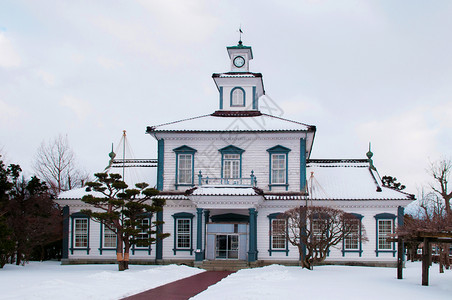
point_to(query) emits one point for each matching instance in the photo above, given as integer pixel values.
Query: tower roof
(240, 47)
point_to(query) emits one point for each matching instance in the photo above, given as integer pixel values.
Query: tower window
(238, 97)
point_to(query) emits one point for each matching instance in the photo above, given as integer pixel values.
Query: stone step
(224, 265)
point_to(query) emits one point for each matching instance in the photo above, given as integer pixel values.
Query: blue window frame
(384, 227)
(231, 162)
(237, 97)
(185, 160)
(319, 226)
(80, 232)
(277, 241)
(108, 239)
(183, 232)
(278, 166)
(145, 226)
(353, 243)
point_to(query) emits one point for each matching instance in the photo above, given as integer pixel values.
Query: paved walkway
(182, 289)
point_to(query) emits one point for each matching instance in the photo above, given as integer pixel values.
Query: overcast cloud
(361, 71)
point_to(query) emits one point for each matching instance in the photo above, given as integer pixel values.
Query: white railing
(206, 180)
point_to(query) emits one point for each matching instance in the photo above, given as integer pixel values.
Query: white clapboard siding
(168, 227)
(255, 158)
(94, 243)
(365, 208)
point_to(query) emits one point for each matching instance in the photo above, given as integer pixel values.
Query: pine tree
(122, 210)
(391, 182)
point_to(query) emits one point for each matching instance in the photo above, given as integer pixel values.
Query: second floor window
(278, 168)
(231, 162)
(231, 166)
(185, 169)
(184, 165)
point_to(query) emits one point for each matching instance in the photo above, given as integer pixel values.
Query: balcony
(250, 181)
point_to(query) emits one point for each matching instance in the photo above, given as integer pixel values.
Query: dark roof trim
(335, 161)
(237, 113)
(240, 74)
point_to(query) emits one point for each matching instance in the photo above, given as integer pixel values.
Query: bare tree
(431, 218)
(441, 172)
(315, 229)
(55, 163)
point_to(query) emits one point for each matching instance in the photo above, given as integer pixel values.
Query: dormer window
(238, 97)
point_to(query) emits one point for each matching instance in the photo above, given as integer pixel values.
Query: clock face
(239, 61)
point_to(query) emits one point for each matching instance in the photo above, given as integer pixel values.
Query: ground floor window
(277, 236)
(109, 238)
(142, 239)
(144, 233)
(384, 232)
(352, 243)
(81, 233)
(319, 229)
(183, 232)
(385, 227)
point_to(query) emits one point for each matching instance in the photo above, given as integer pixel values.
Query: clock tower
(239, 89)
(240, 56)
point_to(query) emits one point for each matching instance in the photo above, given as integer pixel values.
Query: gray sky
(361, 71)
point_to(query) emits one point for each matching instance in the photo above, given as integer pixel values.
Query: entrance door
(227, 246)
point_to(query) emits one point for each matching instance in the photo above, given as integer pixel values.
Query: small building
(227, 175)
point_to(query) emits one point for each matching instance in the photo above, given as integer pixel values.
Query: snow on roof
(77, 194)
(347, 179)
(224, 191)
(212, 122)
(133, 173)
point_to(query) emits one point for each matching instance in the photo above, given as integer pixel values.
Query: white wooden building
(227, 175)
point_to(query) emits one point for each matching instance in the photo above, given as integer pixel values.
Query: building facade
(226, 176)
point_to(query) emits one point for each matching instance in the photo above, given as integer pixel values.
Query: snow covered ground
(330, 282)
(50, 280)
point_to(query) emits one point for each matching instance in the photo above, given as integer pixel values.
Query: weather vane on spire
(240, 33)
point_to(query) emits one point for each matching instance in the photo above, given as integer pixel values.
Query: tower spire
(240, 34)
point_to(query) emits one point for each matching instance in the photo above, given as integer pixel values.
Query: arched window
(237, 97)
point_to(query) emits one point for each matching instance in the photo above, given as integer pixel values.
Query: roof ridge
(152, 128)
(288, 120)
